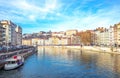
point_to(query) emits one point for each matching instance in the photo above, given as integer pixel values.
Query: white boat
(14, 62)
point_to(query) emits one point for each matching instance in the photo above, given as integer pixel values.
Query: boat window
(11, 62)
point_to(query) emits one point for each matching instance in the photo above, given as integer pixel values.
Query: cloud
(50, 4)
(32, 17)
(60, 14)
(28, 9)
(102, 18)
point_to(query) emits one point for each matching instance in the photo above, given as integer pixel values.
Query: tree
(86, 37)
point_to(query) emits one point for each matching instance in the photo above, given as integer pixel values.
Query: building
(27, 41)
(97, 35)
(58, 34)
(65, 41)
(2, 35)
(46, 42)
(75, 40)
(118, 35)
(27, 36)
(41, 41)
(54, 40)
(35, 41)
(104, 38)
(18, 35)
(11, 36)
(71, 32)
(111, 36)
(115, 35)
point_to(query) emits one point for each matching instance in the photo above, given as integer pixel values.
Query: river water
(55, 62)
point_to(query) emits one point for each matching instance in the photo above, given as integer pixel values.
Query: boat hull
(14, 62)
(11, 67)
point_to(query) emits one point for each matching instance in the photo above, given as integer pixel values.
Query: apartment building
(97, 37)
(115, 34)
(18, 30)
(2, 35)
(118, 34)
(104, 38)
(12, 37)
(111, 36)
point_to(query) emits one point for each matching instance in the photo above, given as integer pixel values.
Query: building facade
(58, 34)
(111, 36)
(97, 37)
(2, 35)
(71, 32)
(65, 41)
(118, 35)
(115, 34)
(104, 38)
(27, 41)
(11, 36)
(35, 41)
(18, 30)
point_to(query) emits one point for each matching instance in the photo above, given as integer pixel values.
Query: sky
(60, 15)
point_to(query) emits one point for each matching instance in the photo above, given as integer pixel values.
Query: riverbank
(96, 49)
(91, 48)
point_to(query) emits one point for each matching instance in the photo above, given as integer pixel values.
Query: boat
(14, 62)
(2, 63)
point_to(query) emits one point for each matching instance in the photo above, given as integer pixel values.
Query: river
(55, 62)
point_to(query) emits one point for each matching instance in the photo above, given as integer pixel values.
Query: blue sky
(60, 15)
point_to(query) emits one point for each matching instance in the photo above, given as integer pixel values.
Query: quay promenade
(23, 52)
(96, 49)
(91, 48)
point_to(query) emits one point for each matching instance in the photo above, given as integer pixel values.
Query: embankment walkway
(97, 49)
(91, 48)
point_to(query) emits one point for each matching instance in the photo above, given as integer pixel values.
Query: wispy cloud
(58, 15)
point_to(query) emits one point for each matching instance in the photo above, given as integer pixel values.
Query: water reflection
(103, 64)
(60, 62)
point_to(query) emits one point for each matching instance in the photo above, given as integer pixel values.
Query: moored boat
(14, 62)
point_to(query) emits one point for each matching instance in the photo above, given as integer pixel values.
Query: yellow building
(35, 41)
(71, 32)
(65, 41)
(27, 42)
(54, 40)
